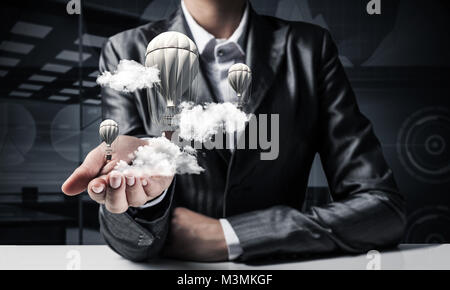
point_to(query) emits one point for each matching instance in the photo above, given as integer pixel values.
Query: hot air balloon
(109, 130)
(240, 78)
(176, 56)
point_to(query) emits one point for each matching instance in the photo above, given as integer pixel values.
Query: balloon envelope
(109, 130)
(176, 56)
(239, 78)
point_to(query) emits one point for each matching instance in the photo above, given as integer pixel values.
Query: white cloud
(200, 123)
(161, 158)
(129, 77)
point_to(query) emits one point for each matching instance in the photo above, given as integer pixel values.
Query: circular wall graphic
(430, 225)
(424, 145)
(66, 135)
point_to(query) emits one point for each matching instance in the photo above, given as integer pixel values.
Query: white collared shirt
(218, 55)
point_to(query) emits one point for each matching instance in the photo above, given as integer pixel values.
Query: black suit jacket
(296, 74)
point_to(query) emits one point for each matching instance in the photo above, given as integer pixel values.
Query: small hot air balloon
(176, 56)
(109, 130)
(240, 78)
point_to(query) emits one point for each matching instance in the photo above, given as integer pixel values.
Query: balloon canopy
(240, 79)
(109, 130)
(176, 56)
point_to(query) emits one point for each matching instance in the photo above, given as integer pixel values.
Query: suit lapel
(266, 44)
(265, 50)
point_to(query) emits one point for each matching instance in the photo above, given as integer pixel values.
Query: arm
(139, 233)
(368, 210)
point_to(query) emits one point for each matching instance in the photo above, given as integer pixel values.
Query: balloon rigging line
(159, 48)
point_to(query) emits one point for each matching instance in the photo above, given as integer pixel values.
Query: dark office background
(398, 63)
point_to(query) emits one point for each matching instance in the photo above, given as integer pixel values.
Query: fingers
(87, 171)
(156, 185)
(116, 198)
(118, 191)
(148, 188)
(108, 167)
(136, 195)
(123, 191)
(97, 189)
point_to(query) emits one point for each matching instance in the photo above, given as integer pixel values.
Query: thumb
(80, 178)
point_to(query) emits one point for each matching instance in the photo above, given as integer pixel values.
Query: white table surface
(102, 257)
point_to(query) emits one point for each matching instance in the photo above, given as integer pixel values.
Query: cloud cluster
(161, 158)
(196, 123)
(200, 123)
(129, 77)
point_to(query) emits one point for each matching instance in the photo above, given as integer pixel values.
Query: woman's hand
(112, 188)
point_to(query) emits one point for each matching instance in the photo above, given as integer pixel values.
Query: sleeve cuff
(154, 201)
(232, 240)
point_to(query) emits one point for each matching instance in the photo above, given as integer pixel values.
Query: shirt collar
(202, 37)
